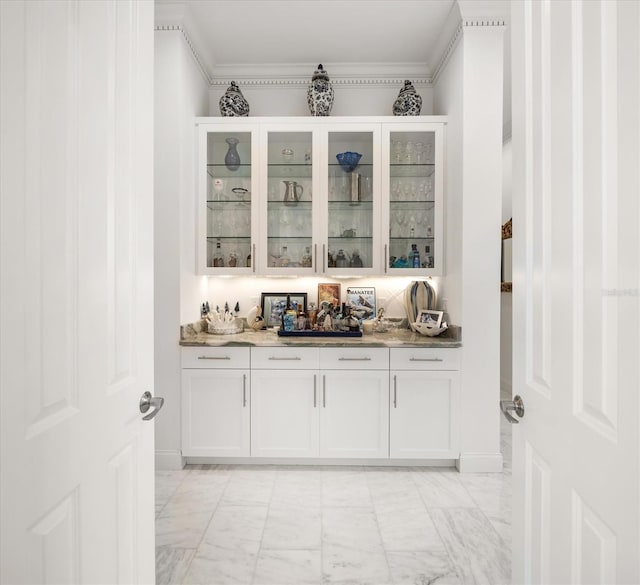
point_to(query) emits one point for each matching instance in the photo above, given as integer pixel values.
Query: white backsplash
(247, 290)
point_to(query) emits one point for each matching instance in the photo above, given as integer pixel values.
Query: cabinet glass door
(414, 205)
(229, 244)
(289, 220)
(351, 213)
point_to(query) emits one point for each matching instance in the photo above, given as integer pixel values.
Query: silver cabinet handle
(395, 392)
(253, 258)
(315, 257)
(210, 357)
(244, 390)
(147, 402)
(516, 405)
(386, 259)
(359, 359)
(324, 391)
(413, 359)
(315, 403)
(285, 359)
(324, 258)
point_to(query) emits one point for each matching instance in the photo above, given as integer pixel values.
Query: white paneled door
(576, 451)
(77, 492)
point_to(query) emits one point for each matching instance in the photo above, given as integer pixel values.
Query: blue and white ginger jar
(408, 102)
(320, 93)
(233, 103)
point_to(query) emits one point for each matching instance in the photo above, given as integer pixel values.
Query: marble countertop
(195, 335)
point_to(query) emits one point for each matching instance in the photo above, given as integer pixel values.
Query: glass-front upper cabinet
(413, 213)
(351, 236)
(228, 210)
(288, 240)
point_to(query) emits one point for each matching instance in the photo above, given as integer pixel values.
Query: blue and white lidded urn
(233, 103)
(408, 102)
(320, 93)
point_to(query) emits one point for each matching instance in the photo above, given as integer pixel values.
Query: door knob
(516, 405)
(147, 401)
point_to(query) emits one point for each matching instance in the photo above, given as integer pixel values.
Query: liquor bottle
(356, 261)
(341, 260)
(414, 256)
(233, 259)
(249, 260)
(284, 259)
(218, 258)
(306, 258)
(428, 257)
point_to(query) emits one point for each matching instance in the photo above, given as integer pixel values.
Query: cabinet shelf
(220, 171)
(400, 171)
(229, 239)
(279, 204)
(356, 239)
(289, 171)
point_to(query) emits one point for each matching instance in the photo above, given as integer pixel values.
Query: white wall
(470, 92)
(181, 92)
(349, 100)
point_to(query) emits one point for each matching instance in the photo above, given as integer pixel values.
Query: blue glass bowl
(348, 160)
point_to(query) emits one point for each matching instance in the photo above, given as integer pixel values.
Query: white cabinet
(354, 413)
(284, 406)
(215, 402)
(424, 404)
(287, 205)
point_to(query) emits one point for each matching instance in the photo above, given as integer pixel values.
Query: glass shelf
(289, 170)
(401, 171)
(220, 171)
(229, 239)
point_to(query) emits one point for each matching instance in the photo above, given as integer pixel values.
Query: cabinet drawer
(418, 358)
(216, 357)
(354, 358)
(285, 358)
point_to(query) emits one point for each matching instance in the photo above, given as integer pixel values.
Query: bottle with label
(306, 258)
(356, 261)
(341, 260)
(218, 258)
(428, 258)
(284, 259)
(414, 256)
(233, 259)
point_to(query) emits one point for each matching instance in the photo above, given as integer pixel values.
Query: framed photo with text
(362, 300)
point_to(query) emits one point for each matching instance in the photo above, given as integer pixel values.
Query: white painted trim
(169, 460)
(190, 45)
(480, 463)
(315, 461)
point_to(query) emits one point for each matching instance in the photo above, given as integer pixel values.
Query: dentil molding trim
(342, 74)
(455, 39)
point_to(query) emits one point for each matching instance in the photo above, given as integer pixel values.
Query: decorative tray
(319, 333)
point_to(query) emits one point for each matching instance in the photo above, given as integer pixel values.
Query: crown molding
(341, 74)
(454, 38)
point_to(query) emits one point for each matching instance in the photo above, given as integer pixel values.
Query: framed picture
(362, 301)
(329, 292)
(274, 304)
(431, 318)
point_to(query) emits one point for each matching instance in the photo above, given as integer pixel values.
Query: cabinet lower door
(424, 415)
(215, 413)
(354, 414)
(284, 413)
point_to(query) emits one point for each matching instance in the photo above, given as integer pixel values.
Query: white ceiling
(329, 31)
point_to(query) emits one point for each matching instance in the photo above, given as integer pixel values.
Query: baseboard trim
(169, 461)
(320, 461)
(480, 463)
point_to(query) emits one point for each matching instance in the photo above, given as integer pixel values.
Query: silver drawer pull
(285, 359)
(425, 360)
(207, 357)
(362, 359)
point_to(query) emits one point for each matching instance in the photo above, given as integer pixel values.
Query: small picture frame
(362, 300)
(431, 318)
(329, 292)
(274, 304)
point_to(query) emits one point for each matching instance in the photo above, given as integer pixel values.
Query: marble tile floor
(279, 525)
